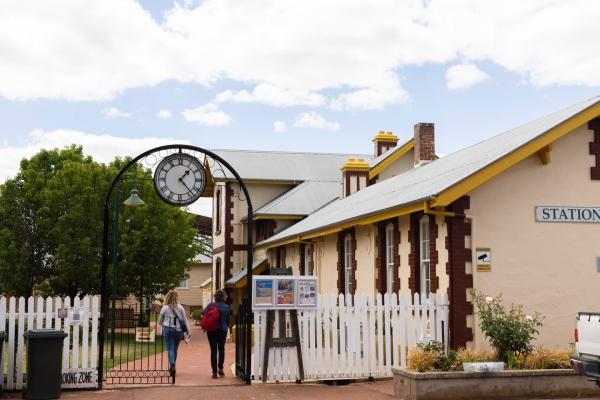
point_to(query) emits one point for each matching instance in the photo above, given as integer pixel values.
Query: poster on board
(285, 292)
(307, 292)
(263, 292)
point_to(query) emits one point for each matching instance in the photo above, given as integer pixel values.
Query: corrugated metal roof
(375, 161)
(285, 166)
(430, 179)
(242, 274)
(303, 199)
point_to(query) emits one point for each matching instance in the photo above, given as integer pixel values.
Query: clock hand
(185, 184)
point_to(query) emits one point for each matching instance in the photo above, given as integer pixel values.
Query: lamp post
(134, 200)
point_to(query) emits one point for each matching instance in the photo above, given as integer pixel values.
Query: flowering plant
(509, 330)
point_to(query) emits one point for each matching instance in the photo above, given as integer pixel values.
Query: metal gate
(243, 346)
(134, 350)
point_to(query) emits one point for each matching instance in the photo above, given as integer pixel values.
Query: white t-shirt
(167, 317)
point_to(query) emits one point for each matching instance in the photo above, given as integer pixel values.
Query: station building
(517, 214)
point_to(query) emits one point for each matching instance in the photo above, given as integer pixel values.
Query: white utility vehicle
(587, 344)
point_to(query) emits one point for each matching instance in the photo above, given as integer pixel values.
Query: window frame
(218, 217)
(309, 265)
(348, 264)
(389, 258)
(186, 280)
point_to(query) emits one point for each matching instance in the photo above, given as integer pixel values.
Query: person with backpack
(174, 324)
(215, 321)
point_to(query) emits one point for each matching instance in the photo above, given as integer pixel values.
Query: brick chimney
(424, 143)
(355, 175)
(384, 141)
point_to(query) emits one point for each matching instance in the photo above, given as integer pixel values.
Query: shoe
(221, 372)
(172, 370)
(214, 375)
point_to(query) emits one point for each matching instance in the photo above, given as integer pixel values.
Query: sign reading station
(567, 214)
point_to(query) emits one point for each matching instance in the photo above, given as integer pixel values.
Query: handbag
(183, 327)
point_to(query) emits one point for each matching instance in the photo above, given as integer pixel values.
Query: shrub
(542, 358)
(430, 356)
(508, 329)
(197, 314)
(421, 361)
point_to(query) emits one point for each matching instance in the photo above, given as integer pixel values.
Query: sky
(122, 76)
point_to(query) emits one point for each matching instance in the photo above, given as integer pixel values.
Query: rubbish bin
(44, 363)
(2, 339)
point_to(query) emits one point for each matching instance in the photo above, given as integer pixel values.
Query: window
(218, 212)
(389, 257)
(183, 283)
(424, 254)
(308, 260)
(348, 259)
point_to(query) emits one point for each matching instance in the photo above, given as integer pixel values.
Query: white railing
(76, 317)
(353, 337)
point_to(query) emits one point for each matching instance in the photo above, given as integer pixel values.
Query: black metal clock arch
(244, 362)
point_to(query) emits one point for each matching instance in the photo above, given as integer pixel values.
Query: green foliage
(443, 361)
(508, 329)
(51, 229)
(197, 314)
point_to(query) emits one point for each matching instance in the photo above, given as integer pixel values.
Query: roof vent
(384, 141)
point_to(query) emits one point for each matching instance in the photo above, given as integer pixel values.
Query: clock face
(179, 179)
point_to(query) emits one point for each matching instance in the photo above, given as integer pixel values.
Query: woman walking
(216, 338)
(174, 324)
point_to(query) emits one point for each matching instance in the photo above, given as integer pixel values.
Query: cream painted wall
(218, 238)
(365, 259)
(292, 257)
(547, 267)
(404, 227)
(193, 294)
(440, 245)
(326, 263)
(403, 164)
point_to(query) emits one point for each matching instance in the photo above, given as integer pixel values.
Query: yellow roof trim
(545, 140)
(392, 158)
(384, 136)
(362, 221)
(259, 269)
(355, 164)
(282, 216)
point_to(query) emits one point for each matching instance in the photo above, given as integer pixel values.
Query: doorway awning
(239, 280)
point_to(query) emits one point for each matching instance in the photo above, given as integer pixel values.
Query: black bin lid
(44, 334)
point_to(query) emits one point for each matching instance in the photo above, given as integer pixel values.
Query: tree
(157, 243)
(51, 229)
(26, 258)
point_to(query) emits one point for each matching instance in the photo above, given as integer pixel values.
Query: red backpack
(210, 319)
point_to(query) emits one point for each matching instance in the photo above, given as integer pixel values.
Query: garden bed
(512, 384)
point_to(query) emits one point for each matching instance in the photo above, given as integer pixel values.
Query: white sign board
(567, 214)
(483, 259)
(284, 292)
(79, 378)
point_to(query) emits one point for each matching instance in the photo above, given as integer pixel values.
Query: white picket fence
(353, 337)
(38, 313)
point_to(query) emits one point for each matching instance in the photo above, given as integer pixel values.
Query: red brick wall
(458, 255)
(424, 142)
(595, 148)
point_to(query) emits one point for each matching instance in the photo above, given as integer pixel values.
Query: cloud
(164, 114)
(208, 115)
(273, 96)
(345, 53)
(103, 148)
(279, 126)
(113, 112)
(462, 76)
(315, 120)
